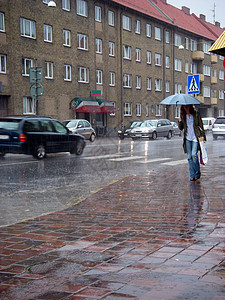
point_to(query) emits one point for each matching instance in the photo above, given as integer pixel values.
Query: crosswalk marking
(126, 158)
(154, 160)
(174, 163)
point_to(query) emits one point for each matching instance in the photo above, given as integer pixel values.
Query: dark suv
(37, 136)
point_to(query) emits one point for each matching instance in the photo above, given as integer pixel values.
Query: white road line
(174, 163)
(20, 163)
(154, 160)
(101, 156)
(126, 158)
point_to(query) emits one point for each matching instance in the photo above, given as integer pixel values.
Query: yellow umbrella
(219, 46)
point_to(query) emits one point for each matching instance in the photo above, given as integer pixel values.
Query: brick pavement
(155, 236)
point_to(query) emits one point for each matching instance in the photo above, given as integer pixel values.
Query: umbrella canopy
(180, 99)
(219, 46)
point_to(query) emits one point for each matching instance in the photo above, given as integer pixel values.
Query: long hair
(183, 112)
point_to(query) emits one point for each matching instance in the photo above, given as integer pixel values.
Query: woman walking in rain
(191, 122)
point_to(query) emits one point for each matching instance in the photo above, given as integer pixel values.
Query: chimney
(217, 24)
(186, 10)
(202, 17)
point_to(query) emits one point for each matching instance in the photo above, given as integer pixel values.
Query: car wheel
(39, 152)
(79, 147)
(2, 154)
(92, 137)
(121, 137)
(154, 135)
(169, 135)
(215, 137)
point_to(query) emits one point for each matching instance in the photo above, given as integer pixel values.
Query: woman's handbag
(203, 151)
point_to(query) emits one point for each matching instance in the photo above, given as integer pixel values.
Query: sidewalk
(155, 236)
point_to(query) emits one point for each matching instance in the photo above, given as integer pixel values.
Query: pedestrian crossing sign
(193, 84)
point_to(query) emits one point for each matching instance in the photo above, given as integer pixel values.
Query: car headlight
(119, 131)
(132, 131)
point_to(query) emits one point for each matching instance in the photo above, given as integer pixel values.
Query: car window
(220, 121)
(32, 126)
(80, 124)
(59, 127)
(87, 124)
(9, 124)
(70, 124)
(46, 126)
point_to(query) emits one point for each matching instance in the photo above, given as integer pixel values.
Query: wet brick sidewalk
(155, 236)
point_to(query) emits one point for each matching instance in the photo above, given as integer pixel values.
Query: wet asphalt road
(31, 188)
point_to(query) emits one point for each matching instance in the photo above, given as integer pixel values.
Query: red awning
(106, 106)
(88, 107)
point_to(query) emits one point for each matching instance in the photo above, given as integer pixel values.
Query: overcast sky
(204, 7)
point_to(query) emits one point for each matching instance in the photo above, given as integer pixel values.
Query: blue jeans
(193, 162)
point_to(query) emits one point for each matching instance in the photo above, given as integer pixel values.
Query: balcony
(213, 59)
(198, 55)
(214, 101)
(213, 80)
(200, 98)
(201, 77)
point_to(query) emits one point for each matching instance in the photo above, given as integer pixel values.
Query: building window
(98, 44)
(158, 109)
(27, 64)
(206, 70)
(178, 65)
(82, 8)
(83, 75)
(167, 62)
(206, 47)
(138, 82)
(221, 94)
(167, 37)
(206, 91)
(82, 41)
(98, 14)
(126, 52)
(49, 70)
(111, 49)
(112, 78)
(127, 80)
(177, 112)
(221, 75)
(138, 54)
(47, 33)
(158, 33)
(114, 105)
(177, 40)
(127, 109)
(149, 84)
(148, 30)
(215, 73)
(138, 109)
(2, 22)
(98, 76)
(111, 18)
(158, 59)
(2, 63)
(167, 86)
(27, 28)
(138, 27)
(66, 38)
(186, 67)
(66, 5)
(187, 43)
(126, 23)
(149, 57)
(158, 85)
(28, 105)
(193, 45)
(67, 73)
(146, 110)
(194, 68)
(178, 88)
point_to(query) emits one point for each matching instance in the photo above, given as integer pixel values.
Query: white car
(219, 128)
(208, 123)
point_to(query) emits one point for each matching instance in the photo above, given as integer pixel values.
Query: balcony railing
(198, 55)
(213, 80)
(213, 59)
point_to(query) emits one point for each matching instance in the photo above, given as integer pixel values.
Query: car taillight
(23, 137)
(213, 126)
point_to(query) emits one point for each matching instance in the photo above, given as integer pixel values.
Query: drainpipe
(121, 67)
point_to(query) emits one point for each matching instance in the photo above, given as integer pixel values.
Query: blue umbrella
(180, 99)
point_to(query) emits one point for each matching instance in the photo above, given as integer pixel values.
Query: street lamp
(51, 4)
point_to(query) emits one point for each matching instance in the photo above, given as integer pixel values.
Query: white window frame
(111, 18)
(127, 80)
(111, 48)
(29, 107)
(68, 72)
(82, 41)
(146, 109)
(178, 88)
(158, 110)
(158, 34)
(167, 62)
(158, 59)
(2, 63)
(66, 38)
(206, 47)
(82, 8)
(112, 78)
(127, 109)
(83, 75)
(98, 45)
(177, 40)
(149, 57)
(148, 30)
(149, 83)
(48, 33)
(138, 54)
(27, 28)
(206, 91)
(221, 75)
(27, 64)
(99, 76)
(49, 70)
(127, 52)
(126, 23)
(206, 70)
(138, 82)
(167, 37)
(167, 86)
(178, 65)
(138, 109)
(177, 112)
(186, 67)
(193, 68)
(2, 22)
(193, 45)
(98, 13)
(186, 43)
(114, 105)
(66, 5)
(158, 85)
(138, 27)
(221, 94)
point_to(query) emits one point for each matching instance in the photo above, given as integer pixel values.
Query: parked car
(208, 123)
(125, 132)
(218, 128)
(152, 129)
(82, 127)
(37, 136)
(176, 129)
